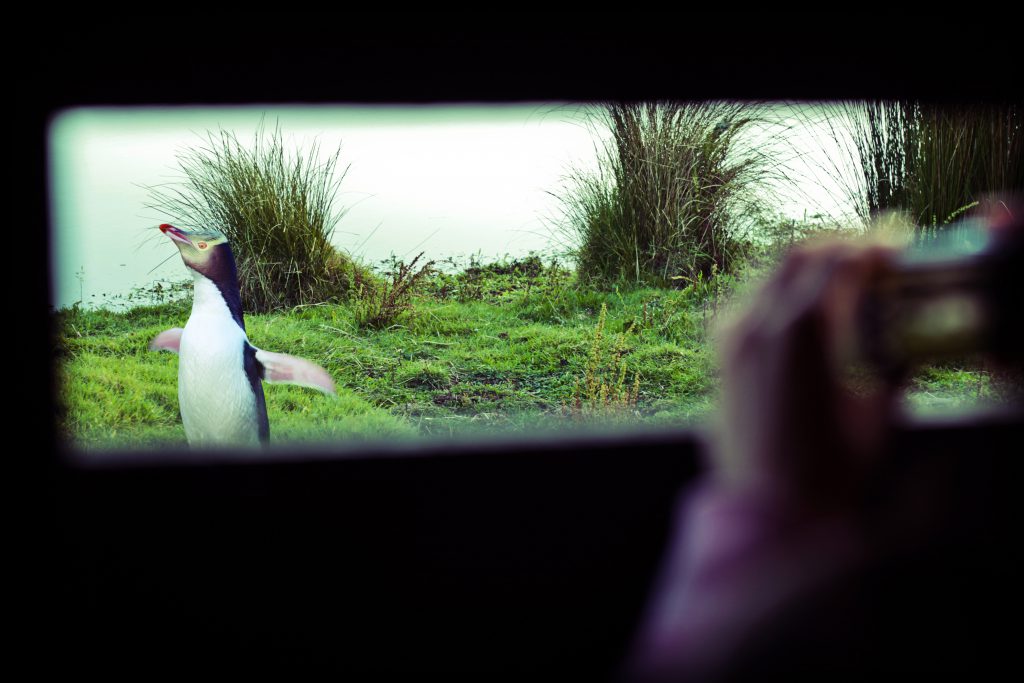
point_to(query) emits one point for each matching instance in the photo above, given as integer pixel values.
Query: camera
(950, 296)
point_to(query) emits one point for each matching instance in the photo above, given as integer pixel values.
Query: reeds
(932, 162)
(277, 210)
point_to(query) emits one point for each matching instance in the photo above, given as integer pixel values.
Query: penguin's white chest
(217, 403)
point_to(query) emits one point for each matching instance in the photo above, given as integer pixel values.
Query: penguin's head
(196, 246)
(208, 255)
(204, 251)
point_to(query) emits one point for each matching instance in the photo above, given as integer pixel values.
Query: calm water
(447, 180)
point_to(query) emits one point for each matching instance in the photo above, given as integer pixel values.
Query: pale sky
(448, 180)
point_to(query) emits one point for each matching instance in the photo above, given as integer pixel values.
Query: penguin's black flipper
(280, 368)
(254, 371)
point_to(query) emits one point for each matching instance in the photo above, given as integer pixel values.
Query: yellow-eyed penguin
(219, 372)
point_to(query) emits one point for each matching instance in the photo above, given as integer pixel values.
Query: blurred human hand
(773, 519)
(781, 519)
(790, 426)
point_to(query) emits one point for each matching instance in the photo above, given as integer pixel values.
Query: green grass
(951, 387)
(512, 358)
(505, 361)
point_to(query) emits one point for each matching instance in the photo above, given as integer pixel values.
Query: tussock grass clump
(672, 186)
(931, 161)
(276, 208)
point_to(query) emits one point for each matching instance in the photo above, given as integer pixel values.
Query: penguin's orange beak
(175, 234)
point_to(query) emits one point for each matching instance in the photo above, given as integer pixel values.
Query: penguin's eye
(201, 245)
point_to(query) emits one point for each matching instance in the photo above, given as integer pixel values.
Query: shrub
(276, 208)
(605, 390)
(381, 306)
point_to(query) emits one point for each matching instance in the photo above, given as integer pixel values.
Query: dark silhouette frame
(505, 557)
